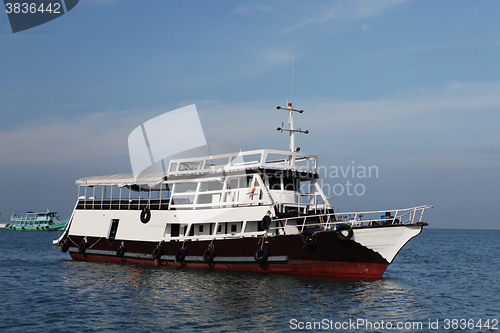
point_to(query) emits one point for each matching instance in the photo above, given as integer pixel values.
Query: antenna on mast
(290, 117)
(293, 72)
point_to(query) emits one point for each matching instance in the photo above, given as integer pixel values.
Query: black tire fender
(83, 246)
(341, 228)
(180, 255)
(209, 255)
(308, 237)
(145, 215)
(157, 252)
(65, 246)
(120, 253)
(265, 223)
(261, 254)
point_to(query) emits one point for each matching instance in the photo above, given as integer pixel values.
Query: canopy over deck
(123, 179)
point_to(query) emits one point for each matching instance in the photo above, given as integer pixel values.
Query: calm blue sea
(439, 276)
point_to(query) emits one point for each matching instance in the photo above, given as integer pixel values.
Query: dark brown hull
(329, 256)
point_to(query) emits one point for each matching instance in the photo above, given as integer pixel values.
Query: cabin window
(288, 183)
(200, 228)
(211, 186)
(174, 230)
(232, 183)
(183, 199)
(205, 198)
(239, 182)
(185, 187)
(219, 229)
(233, 228)
(274, 182)
(112, 230)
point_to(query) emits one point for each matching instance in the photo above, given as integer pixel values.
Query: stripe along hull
(328, 256)
(53, 227)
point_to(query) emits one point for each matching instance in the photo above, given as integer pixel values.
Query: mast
(291, 129)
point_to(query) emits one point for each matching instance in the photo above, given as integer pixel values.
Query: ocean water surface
(441, 281)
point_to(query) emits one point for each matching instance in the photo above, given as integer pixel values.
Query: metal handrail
(353, 218)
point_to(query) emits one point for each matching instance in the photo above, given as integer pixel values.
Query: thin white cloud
(340, 11)
(360, 9)
(253, 8)
(319, 16)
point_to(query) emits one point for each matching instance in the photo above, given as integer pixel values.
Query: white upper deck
(238, 161)
(254, 159)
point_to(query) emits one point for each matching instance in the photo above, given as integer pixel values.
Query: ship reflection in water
(193, 299)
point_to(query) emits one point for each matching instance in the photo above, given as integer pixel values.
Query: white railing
(354, 219)
(263, 158)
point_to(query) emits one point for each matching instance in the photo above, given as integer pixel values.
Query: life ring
(83, 246)
(180, 255)
(145, 215)
(65, 246)
(341, 228)
(158, 252)
(261, 254)
(308, 237)
(121, 251)
(209, 255)
(265, 223)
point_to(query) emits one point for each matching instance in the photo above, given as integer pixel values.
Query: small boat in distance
(31, 221)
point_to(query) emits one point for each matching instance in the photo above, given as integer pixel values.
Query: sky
(409, 87)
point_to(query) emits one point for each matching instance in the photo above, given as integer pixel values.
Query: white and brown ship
(258, 211)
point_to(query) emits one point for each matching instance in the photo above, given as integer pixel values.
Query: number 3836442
(32, 8)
